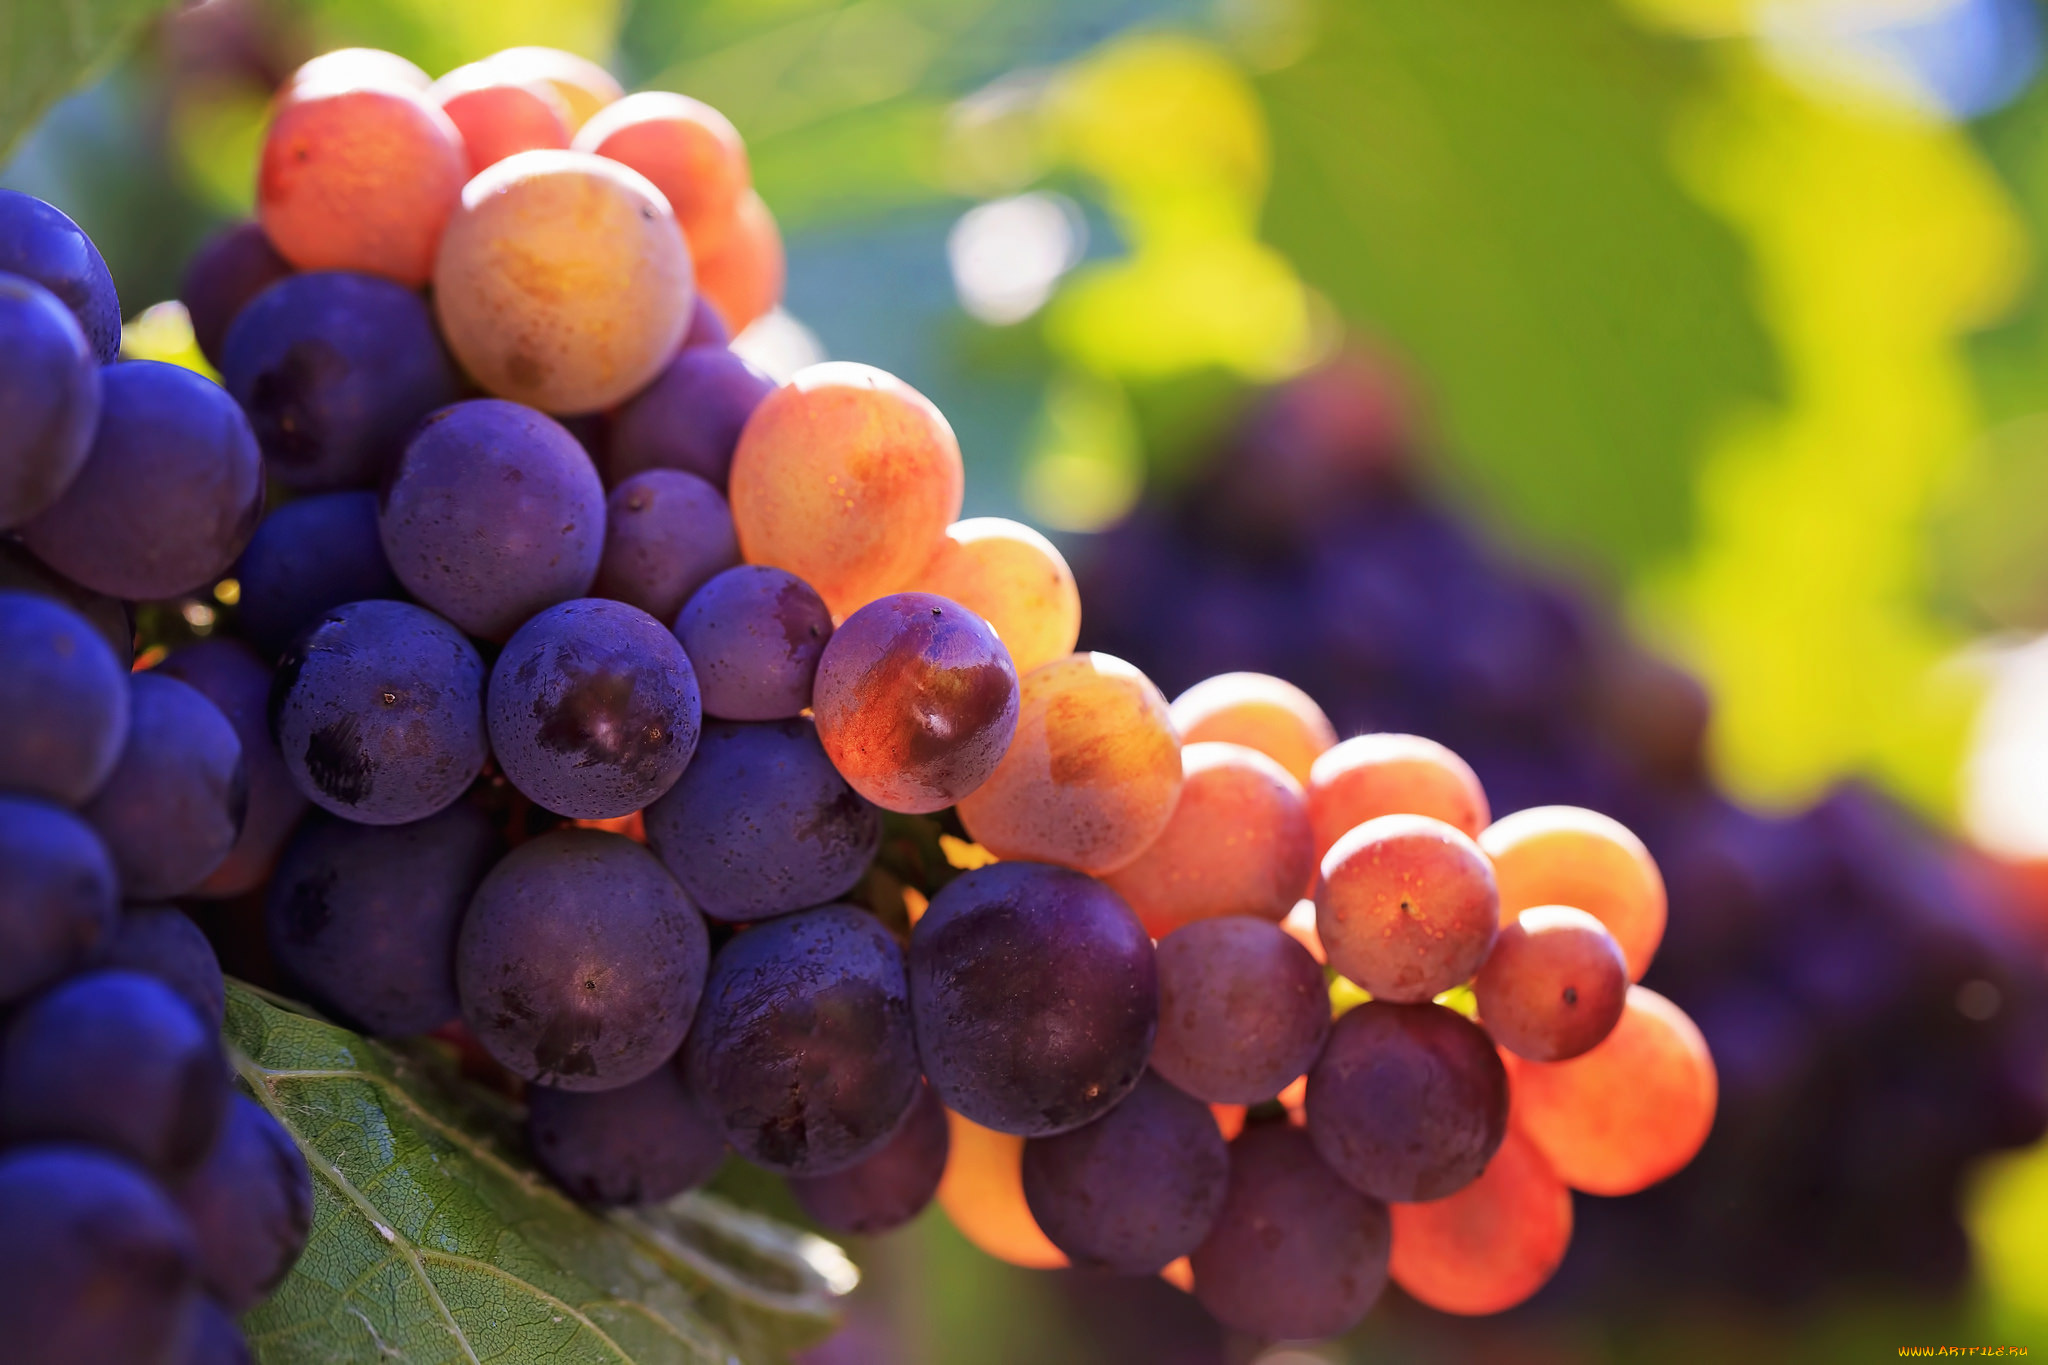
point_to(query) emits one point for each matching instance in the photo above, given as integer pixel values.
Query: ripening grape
(335, 369)
(1406, 907)
(250, 1205)
(1563, 855)
(803, 1048)
(583, 85)
(232, 267)
(163, 942)
(351, 66)
(1013, 578)
(1237, 844)
(1492, 1244)
(495, 513)
(169, 495)
(666, 533)
(847, 477)
(1407, 1102)
(63, 701)
(172, 809)
(755, 634)
(1294, 1252)
(580, 961)
(982, 1193)
(378, 710)
(498, 116)
(1134, 1189)
(1243, 1010)
(50, 403)
(1092, 776)
(60, 901)
(307, 558)
(1630, 1112)
(888, 1189)
(916, 701)
(1277, 718)
(638, 1144)
(1368, 776)
(110, 617)
(691, 415)
(562, 281)
(687, 149)
(1036, 997)
(744, 274)
(1554, 985)
(38, 242)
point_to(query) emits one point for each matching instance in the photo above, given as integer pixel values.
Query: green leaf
(50, 47)
(435, 1242)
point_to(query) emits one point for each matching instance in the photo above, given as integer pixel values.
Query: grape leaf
(436, 1243)
(49, 47)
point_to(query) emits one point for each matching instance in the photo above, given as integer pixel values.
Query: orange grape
(1092, 775)
(1630, 1112)
(562, 282)
(1277, 718)
(497, 117)
(846, 477)
(982, 1191)
(1492, 1244)
(1554, 985)
(690, 152)
(1562, 855)
(744, 274)
(1406, 907)
(1236, 844)
(583, 85)
(1373, 775)
(1300, 925)
(1014, 579)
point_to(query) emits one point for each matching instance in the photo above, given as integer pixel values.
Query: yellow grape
(982, 1191)
(584, 86)
(1368, 776)
(1563, 855)
(1273, 716)
(1013, 578)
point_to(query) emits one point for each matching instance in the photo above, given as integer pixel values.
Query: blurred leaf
(50, 47)
(2007, 1208)
(441, 34)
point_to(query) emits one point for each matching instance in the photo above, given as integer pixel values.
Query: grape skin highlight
(498, 117)
(1554, 986)
(39, 242)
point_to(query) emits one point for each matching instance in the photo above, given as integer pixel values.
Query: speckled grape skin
(638, 1144)
(889, 1188)
(1406, 907)
(236, 681)
(1554, 986)
(63, 701)
(762, 824)
(307, 557)
(581, 961)
(495, 513)
(172, 809)
(755, 634)
(379, 712)
(1407, 1102)
(38, 242)
(1243, 1010)
(1036, 997)
(916, 701)
(334, 369)
(666, 533)
(163, 942)
(50, 402)
(593, 709)
(60, 900)
(690, 417)
(803, 1048)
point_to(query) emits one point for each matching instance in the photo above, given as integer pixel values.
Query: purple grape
(495, 513)
(580, 962)
(118, 1060)
(63, 701)
(163, 942)
(593, 709)
(755, 634)
(1134, 1190)
(216, 1340)
(40, 243)
(803, 1048)
(251, 1207)
(762, 824)
(690, 417)
(1295, 1253)
(1035, 996)
(707, 325)
(169, 495)
(378, 710)
(172, 809)
(1407, 1102)
(639, 1144)
(1243, 1010)
(362, 918)
(666, 533)
(59, 898)
(114, 619)
(306, 558)
(231, 268)
(889, 1188)
(49, 400)
(228, 675)
(97, 1267)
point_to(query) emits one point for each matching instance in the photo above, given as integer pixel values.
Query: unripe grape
(499, 117)
(1275, 717)
(690, 152)
(581, 84)
(1013, 578)
(1563, 855)
(1368, 776)
(744, 274)
(1406, 907)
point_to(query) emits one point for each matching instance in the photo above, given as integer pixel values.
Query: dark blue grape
(755, 634)
(169, 494)
(689, 418)
(234, 266)
(228, 675)
(378, 710)
(114, 619)
(335, 369)
(172, 809)
(1243, 1010)
(891, 1187)
(639, 1144)
(495, 513)
(49, 399)
(362, 918)
(59, 897)
(306, 558)
(666, 532)
(97, 1267)
(1134, 1190)
(63, 701)
(216, 1340)
(41, 243)
(250, 1205)
(118, 1060)
(593, 709)
(163, 942)
(1036, 997)
(803, 1047)
(581, 961)
(762, 824)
